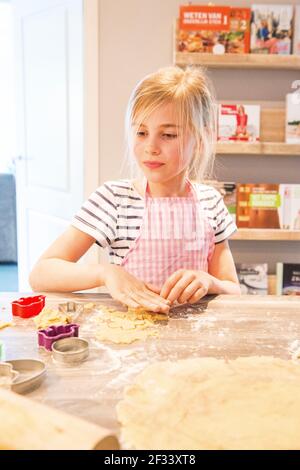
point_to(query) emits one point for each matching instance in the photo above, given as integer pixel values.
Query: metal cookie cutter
(27, 307)
(53, 333)
(7, 375)
(70, 350)
(31, 374)
(72, 308)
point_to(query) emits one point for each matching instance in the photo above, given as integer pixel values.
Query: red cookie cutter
(53, 333)
(27, 307)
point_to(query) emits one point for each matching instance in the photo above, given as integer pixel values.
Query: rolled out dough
(126, 327)
(206, 403)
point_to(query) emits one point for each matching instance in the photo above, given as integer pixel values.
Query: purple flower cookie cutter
(53, 333)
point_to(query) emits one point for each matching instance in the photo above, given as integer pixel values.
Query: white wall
(7, 98)
(136, 38)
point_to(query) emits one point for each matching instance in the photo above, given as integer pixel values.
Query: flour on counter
(294, 349)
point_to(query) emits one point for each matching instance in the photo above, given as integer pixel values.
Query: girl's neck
(177, 187)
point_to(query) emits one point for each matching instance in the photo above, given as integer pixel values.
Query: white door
(50, 163)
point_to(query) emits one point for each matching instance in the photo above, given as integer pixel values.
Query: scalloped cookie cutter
(53, 333)
(27, 307)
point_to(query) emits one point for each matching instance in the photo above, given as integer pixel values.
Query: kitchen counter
(218, 326)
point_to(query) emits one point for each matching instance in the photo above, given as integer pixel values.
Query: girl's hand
(132, 292)
(186, 286)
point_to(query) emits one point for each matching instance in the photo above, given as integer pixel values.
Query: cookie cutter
(7, 375)
(27, 307)
(70, 350)
(31, 374)
(70, 307)
(53, 333)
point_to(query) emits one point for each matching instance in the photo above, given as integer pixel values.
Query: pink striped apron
(175, 234)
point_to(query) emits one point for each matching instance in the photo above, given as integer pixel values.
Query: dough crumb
(5, 325)
(50, 316)
(87, 308)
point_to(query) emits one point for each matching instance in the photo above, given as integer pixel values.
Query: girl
(167, 236)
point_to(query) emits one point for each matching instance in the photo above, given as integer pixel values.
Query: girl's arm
(222, 271)
(57, 270)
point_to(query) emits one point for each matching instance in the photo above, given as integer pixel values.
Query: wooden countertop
(221, 326)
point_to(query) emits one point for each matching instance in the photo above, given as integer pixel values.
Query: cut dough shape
(88, 307)
(122, 323)
(135, 314)
(50, 316)
(122, 336)
(126, 327)
(5, 325)
(206, 403)
(141, 313)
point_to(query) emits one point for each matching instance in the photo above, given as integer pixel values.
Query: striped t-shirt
(113, 215)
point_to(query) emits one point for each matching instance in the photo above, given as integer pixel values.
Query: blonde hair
(195, 105)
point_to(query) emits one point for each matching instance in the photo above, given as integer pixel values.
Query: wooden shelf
(261, 148)
(235, 61)
(266, 234)
(272, 135)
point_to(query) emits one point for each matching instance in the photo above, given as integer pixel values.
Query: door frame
(91, 106)
(91, 95)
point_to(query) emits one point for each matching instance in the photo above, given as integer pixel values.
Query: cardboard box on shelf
(292, 128)
(238, 122)
(253, 278)
(296, 38)
(258, 206)
(214, 29)
(288, 279)
(228, 191)
(271, 29)
(265, 205)
(290, 206)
